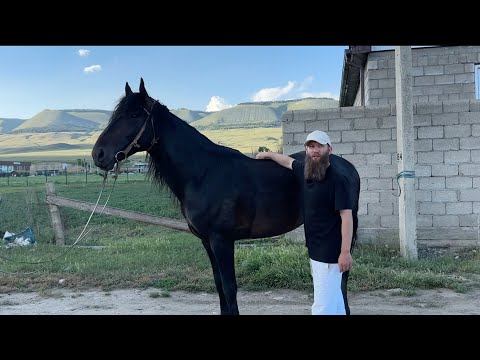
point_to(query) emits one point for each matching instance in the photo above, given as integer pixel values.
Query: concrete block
(462, 207)
(432, 183)
(328, 113)
(377, 111)
(446, 220)
(446, 144)
(352, 112)
(470, 143)
(305, 115)
(426, 208)
(378, 134)
(456, 106)
(461, 156)
(469, 169)
(458, 182)
(366, 123)
(457, 131)
(429, 108)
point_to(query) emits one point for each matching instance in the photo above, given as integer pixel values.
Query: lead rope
(80, 237)
(117, 170)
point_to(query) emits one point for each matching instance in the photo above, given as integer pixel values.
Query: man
(328, 220)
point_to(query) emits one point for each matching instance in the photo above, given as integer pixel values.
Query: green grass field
(120, 253)
(246, 141)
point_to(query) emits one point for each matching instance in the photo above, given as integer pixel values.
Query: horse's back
(250, 198)
(277, 194)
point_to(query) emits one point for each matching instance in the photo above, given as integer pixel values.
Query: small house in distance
(14, 167)
(140, 167)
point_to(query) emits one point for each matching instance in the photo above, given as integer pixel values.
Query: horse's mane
(202, 142)
(154, 175)
(196, 138)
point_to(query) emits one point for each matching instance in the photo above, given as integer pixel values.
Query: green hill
(298, 104)
(56, 121)
(101, 117)
(51, 147)
(312, 103)
(259, 114)
(240, 116)
(190, 115)
(67, 133)
(7, 125)
(244, 115)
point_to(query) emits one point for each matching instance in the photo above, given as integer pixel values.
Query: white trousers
(327, 291)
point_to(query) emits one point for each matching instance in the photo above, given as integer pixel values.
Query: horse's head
(129, 130)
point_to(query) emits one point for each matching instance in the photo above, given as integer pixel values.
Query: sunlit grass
(243, 140)
(247, 141)
(150, 256)
(123, 253)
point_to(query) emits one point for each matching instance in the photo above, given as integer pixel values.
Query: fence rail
(53, 201)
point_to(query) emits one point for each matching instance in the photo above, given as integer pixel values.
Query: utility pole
(407, 224)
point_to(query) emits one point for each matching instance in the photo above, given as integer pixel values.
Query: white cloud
(83, 52)
(306, 83)
(272, 94)
(291, 91)
(92, 69)
(217, 103)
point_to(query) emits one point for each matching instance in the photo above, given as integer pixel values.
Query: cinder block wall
(447, 166)
(438, 74)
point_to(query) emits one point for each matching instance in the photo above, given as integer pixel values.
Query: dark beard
(316, 170)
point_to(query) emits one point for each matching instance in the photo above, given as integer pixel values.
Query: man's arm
(280, 159)
(345, 258)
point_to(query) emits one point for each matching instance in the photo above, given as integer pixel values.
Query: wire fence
(65, 178)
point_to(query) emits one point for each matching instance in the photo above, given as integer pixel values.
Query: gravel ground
(280, 302)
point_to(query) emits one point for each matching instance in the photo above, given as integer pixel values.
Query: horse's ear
(142, 88)
(128, 91)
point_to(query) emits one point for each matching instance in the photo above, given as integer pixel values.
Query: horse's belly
(266, 225)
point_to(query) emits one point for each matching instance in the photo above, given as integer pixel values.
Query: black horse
(223, 194)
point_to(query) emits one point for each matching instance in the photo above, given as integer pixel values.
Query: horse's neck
(178, 154)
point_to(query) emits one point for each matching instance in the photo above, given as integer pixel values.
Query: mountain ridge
(243, 115)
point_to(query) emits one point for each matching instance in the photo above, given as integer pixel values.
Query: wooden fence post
(55, 216)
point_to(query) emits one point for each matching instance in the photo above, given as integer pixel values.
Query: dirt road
(279, 302)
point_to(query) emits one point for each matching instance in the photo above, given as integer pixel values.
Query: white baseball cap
(318, 136)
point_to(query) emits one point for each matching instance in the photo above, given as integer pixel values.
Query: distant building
(55, 168)
(140, 167)
(16, 167)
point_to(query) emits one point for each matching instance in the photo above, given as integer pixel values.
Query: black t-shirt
(322, 202)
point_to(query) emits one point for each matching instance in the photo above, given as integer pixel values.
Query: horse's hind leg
(344, 291)
(345, 273)
(223, 250)
(216, 276)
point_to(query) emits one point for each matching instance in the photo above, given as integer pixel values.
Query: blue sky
(206, 78)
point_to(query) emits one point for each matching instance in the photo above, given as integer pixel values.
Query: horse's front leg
(216, 276)
(223, 249)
